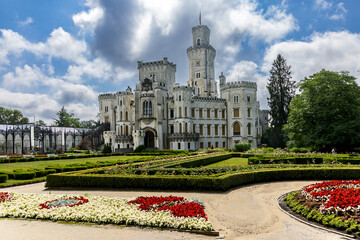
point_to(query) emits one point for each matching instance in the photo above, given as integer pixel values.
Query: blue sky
(65, 53)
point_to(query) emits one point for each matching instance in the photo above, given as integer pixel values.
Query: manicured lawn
(230, 162)
(9, 167)
(14, 182)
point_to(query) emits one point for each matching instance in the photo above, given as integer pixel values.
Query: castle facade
(160, 113)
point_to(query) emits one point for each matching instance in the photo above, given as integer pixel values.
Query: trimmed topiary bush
(107, 148)
(3, 178)
(139, 148)
(242, 147)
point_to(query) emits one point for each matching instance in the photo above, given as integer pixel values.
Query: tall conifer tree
(281, 90)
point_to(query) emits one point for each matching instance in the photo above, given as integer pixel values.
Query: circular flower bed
(64, 202)
(178, 206)
(6, 197)
(334, 197)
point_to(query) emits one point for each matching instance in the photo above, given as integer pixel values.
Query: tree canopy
(281, 90)
(326, 113)
(12, 116)
(66, 119)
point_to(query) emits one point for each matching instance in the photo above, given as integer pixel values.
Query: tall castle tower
(201, 63)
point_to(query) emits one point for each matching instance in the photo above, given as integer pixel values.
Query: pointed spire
(200, 18)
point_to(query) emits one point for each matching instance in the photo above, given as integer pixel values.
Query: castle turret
(201, 62)
(222, 79)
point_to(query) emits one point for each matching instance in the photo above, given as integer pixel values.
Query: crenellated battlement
(163, 62)
(208, 99)
(107, 96)
(238, 84)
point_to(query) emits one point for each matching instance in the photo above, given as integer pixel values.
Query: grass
(230, 162)
(13, 182)
(9, 167)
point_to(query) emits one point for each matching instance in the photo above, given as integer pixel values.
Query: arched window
(144, 107)
(121, 116)
(180, 112)
(249, 128)
(198, 42)
(236, 128)
(186, 127)
(126, 130)
(126, 116)
(150, 108)
(180, 128)
(179, 97)
(121, 130)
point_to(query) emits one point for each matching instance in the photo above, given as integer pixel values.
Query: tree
(281, 90)
(9, 116)
(66, 119)
(90, 123)
(84, 144)
(326, 113)
(40, 123)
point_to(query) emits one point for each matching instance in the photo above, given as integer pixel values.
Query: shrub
(3, 178)
(107, 148)
(242, 147)
(24, 175)
(139, 148)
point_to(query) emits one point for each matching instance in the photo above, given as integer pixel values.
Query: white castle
(162, 114)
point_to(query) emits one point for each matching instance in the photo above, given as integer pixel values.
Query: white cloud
(27, 21)
(335, 51)
(339, 12)
(88, 21)
(322, 4)
(23, 77)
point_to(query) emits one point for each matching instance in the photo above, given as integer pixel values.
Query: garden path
(247, 212)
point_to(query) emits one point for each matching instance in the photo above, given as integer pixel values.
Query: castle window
(197, 75)
(120, 102)
(121, 130)
(193, 112)
(223, 129)
(188, 145)
(106, 108)
(209, 145)
(216, 130)
(248, 98)
(186, 127)
(236, 112)
(171, 129)
(171, 113)
(249, 112)
(179, 146)
(236, 99)
(126, 116)
(201, 145)
(224, 145)
(236, 129)
(216, 113)
(150, 108)
(198, 42)
(209, 129)
(208, 113)
(127, 130)
(249, 128)
(201, 129)
(152, 77)
(185, 111)
(223, 113)
(179, 97)
(121, 116)
(197, 63)
(200, 113)
(180, 115)
(194, 128)
(106, 119)
(144, 107)
(216, 144)
(180, 128)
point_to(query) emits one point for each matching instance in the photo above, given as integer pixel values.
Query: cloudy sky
(64, 53)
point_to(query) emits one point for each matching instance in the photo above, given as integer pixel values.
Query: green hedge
(219, 183)
(3, 178)
(24, 175)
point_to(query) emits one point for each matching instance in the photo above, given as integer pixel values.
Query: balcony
(123, 138)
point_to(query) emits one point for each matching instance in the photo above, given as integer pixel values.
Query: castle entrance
(149, 140)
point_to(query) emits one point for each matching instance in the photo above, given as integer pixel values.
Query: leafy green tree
(12, 116)
(90, 123)
(40, 123)
(281, 90)
(66, 119)
(326, 113)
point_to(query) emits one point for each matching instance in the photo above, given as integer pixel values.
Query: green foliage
(326, 114)
(3, 178)
(12, 116)
(107, 148)
(90, 124)
(66, 119)
(242, 147)
(40, 123)
(139, 149)
(281, 90)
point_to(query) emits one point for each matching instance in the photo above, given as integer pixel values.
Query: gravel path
(248, 212)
